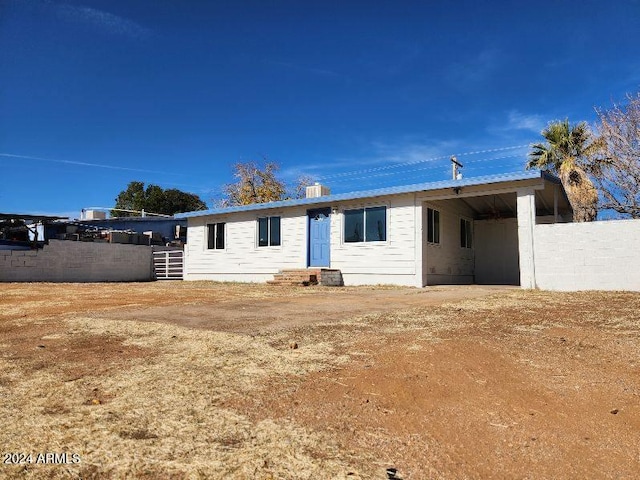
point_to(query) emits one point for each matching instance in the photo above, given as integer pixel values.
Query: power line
(491, 150)
(422, 169)
(86, 164)
(415, 162)
(408, 180)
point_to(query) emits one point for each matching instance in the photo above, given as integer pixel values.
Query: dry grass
(164, 414)
(162, 400)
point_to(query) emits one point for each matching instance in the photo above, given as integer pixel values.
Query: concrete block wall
(601, 255)
(330, 278)
(67, 261)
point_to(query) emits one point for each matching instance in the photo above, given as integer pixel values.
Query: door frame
(310, 214)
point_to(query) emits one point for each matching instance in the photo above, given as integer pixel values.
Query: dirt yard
(186, 380)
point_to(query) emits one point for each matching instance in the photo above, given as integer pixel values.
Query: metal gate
(168, 264)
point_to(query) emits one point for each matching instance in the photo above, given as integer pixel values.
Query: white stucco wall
(67, 261)
(588, 256)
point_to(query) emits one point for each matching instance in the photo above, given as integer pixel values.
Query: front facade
(476, 230)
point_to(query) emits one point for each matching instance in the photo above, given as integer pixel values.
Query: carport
(486, 237)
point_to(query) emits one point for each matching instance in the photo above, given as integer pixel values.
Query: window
(433, 226)
(354, 225)
(215, 236)
(365, 225)
(269, 231)
(465, 233)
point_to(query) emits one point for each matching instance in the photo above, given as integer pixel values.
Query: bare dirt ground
(199, 380)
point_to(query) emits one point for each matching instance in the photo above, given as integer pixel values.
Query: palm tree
(563, 154)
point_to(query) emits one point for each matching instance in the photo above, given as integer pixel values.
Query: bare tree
(260, 184)
(254, 185)
(616, 166)
(300, 189)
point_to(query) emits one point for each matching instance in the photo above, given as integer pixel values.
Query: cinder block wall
(67, 261)
(330, 278)
(601, 255)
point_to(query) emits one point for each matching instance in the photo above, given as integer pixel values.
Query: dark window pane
(465, 233)
(263, 232)
(211, 231)
(220, 236)
(354, 225)
(429, 225)
(274, 234)
(376, 221)
(436, 226)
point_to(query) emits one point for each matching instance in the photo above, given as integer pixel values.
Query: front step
(308, 276)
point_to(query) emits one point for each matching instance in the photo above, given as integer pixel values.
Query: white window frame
(206, 236)
(470, 238)
(257, 236)
(439, 235)
(373, 243)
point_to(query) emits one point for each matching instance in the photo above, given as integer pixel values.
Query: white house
(474, 230)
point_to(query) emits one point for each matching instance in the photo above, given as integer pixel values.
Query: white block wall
(601, 255)
(526, 214)
(67, 261)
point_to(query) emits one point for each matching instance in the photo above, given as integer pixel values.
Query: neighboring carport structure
(21, 230)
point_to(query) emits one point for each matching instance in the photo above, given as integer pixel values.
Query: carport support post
(526, 208)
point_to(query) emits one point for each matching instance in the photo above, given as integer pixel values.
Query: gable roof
(379, 192)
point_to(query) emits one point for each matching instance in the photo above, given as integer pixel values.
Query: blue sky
(358, 94)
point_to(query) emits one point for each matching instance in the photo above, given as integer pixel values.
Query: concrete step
(290, 283)
(307, 276)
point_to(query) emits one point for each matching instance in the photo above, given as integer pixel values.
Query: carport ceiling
(504, 205)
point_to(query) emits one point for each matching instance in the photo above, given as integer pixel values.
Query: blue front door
(319, 237)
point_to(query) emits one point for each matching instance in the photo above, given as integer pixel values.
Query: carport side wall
(448, 262)
(599, 255)
(68, 261)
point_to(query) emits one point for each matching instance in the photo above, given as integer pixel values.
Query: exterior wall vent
(316, 190)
